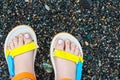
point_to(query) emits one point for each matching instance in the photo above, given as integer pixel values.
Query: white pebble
(28, 0)
(47, 7)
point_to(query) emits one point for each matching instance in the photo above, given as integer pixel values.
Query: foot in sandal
(20, 53)
(23, 62)
(66, 68)
(67, 57)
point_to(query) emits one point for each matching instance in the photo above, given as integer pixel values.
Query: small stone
(89, 57)
(94, 77)
(0, 36)
(93, 45)
(78, 11)
(86, 43)
(89, 36)
(47, 67)
(47, 7)
(28, 0)
(0, 70)
(100, 63)
(77, 1)
(89, 71)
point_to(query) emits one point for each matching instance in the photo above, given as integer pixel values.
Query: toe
(79, 54)
(21, 40)
(8, 47)
(67, 45)
(77, 51)
(27, 38)
(15, 41)
(60, 44)
(73, 46)
(12, 45)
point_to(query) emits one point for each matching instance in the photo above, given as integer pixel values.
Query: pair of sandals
(10, 54)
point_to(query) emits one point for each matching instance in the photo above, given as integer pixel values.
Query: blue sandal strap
(10, 62)
(79, 70)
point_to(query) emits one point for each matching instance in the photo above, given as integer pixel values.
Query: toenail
(8, 47)
(77, 47)
(10, 42)
(14, 38)
(60, 41)
(20, 35)
(27, 36)
(67, 41)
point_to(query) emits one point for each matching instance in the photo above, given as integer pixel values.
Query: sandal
(65, 55)
(10, 54)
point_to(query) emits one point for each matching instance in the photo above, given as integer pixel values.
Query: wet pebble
(47, 67)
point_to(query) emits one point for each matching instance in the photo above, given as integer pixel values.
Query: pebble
(100, 63)
(28, 0)
(0, 70)
(47, 67)
(86, 43)
(0, 36)
(77, 1)
(47, 7)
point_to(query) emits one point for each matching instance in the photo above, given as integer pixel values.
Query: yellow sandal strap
(68, 56)
(22, 49)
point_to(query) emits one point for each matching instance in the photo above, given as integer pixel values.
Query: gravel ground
(96, 27)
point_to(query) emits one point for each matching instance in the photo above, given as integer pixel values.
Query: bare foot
(23, 62)
(66, 68)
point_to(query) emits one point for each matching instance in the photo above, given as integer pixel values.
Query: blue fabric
(10, 61)
(79, 70)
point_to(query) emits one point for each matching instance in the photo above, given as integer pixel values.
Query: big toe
(60, 44)
(27, 38)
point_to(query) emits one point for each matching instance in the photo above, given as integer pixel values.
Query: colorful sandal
(10, 54)
(65, 55)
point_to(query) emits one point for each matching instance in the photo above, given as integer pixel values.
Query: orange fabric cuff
(24, 75)
(66, 79)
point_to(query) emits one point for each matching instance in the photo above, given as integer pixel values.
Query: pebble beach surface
(97, 28)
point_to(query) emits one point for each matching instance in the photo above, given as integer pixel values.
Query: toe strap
(21, 49)
(24, 75)
(68, 56)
